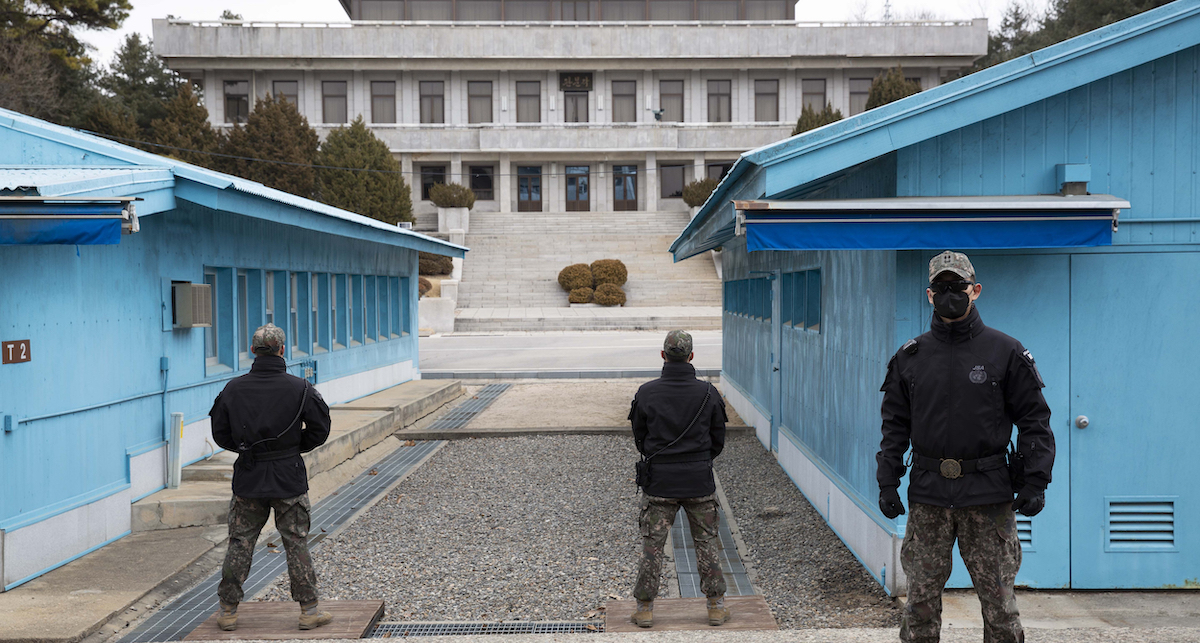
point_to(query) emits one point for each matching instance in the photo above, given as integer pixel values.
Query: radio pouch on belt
(1016, 468)
(246, 456)
(642, 467)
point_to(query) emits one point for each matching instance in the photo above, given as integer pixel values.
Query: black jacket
(957, 394)
(258, 406)
(661, 410)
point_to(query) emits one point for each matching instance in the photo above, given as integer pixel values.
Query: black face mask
(952, 305)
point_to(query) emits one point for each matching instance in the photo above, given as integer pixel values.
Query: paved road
(559, 351)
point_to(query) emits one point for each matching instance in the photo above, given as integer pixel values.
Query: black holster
(1016, 468)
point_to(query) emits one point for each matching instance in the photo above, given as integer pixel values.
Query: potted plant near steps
(697, 192)
(454, 202)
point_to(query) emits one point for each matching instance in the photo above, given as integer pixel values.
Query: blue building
(1071, 176)
(112, 260)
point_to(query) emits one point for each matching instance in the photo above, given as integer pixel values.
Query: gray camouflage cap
(950, 261)
(269, 338)
(678, 344)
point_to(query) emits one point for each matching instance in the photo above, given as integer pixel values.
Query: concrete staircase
(515, 259)
(361, 434)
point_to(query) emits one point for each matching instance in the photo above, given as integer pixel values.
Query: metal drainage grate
(185, 613)
(396, 630)
(458, 417)
(737, 582)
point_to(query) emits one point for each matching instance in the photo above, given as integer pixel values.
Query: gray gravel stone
(807, 575)
(528, 528)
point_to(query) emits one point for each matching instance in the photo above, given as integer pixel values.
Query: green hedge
(609, 295)
(580, 296)
(423, 286)
(576, 275)
(451, 195)
(433, 265)
(697, 192)
(609, 271)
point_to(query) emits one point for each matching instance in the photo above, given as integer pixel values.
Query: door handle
(1081, 422)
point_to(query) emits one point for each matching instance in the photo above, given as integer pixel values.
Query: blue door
(1135, 375)
(1026, 296)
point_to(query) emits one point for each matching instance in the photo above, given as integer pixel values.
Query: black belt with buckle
(954, 468)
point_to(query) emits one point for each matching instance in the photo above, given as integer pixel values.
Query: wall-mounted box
(191, 305)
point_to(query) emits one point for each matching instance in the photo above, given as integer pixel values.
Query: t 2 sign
(14, 352)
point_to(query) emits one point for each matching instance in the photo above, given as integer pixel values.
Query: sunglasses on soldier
(941, 287)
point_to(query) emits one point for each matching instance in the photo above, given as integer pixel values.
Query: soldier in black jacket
(954, 394)
(679, 427)
(269, 418)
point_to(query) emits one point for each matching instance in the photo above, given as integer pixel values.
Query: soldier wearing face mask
(954, 394)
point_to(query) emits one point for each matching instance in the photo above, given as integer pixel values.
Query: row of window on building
(481, 179)
(529, 95)
(799, 305)
(574, 10)
(319, 312)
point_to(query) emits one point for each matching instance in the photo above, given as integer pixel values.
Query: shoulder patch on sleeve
(1028, 357)
(910, 346)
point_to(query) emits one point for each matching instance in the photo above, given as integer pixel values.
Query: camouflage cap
(268, 339)
(950, 261)
(678, 344)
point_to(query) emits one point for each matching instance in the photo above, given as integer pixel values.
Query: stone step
(203, 495)
(499, 325)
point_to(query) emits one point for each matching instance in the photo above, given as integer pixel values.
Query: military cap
(950, 261)
(268, 340)
(678, 344)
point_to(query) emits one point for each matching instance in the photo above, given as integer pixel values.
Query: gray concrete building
(561, 105)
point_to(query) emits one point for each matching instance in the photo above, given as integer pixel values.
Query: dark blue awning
(966, 223)
(38, 221)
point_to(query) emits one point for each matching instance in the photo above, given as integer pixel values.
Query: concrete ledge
(462, 434)
(552, 374)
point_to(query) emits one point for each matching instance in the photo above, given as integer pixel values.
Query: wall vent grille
(1025, 532)
(1141, 524)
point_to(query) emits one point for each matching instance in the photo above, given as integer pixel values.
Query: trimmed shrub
(697, 192)
(889, 87)
(431, 264)
(812, 119)
(451, 195)
(609, 295)
(576, 275)
(581, 296)
(609, 271)
(423, 286)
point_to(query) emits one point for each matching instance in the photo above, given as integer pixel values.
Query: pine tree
(890, 87)
(812, 119)
(275, 131)
(186, 131)
(109, 118)
(382, 194)
(138, 81)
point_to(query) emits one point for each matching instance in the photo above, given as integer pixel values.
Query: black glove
(1030, 500)
(889, 502)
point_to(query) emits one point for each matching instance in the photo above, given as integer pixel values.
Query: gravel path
(544, 528)
(808, 576)
(528, 528)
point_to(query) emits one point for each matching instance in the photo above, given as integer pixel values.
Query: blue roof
(121, 165)
(778, 170)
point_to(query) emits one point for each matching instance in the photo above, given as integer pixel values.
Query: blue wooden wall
(1138, 129)
(94, 317)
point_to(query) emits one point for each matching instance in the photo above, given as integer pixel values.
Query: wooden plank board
(279, 620)
(676, 614)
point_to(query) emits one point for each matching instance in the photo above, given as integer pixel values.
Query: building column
(359, 96)
(602, 115)
(698, 169)
(603, 187)
(744, 97)
(413, 181)
(552, 192)
(507, 181)
(651, 182)
(456, 169)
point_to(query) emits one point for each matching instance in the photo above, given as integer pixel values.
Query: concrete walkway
(503, 320)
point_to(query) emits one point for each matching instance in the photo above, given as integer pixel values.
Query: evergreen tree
(138, 80)
(185, 126)
(275, 131)
(812, 119)
(380, 194)
(890, 87)
(109, 118)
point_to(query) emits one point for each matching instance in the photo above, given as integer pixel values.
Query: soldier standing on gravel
(269, 418)
(678, 427)
(955, 393)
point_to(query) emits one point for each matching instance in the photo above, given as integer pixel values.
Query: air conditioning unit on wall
(191, 305)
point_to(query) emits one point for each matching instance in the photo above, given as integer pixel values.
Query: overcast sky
(331, 10)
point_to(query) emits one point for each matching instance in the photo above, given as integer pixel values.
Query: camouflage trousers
(246, 519)
(658, 514)
(987, 540)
